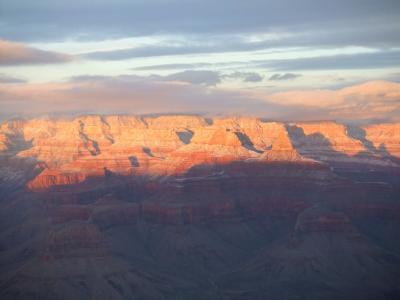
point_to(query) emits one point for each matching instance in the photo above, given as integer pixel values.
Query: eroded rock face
(71, 150)
(333, 142)
(383, 138)
(325, 138)
(186, 207)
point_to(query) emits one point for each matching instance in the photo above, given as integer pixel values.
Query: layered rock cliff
(188, 207)
(71, 150)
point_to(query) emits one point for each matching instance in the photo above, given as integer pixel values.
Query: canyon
(195, 207)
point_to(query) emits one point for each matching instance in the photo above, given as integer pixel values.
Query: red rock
(73, 150)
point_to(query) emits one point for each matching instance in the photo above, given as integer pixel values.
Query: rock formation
(93, 146)
(188, 207)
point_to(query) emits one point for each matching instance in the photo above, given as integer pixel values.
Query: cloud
(209, 78)
(199, 45)
(100, 19)
(170, 67)
(127, 94)
(381, 59)
(88, 78)
(10, 79)
(244, 76)
(19, 54)
(253, 77)
(139, 95)
(238, 43)
(195, 77)
(285, 76)
(370, 100)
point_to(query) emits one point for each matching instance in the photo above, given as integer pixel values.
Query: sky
(307, 60)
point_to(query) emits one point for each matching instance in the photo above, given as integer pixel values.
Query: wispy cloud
(11, 79)
(380, 59)
(285, 76)
(237, 43)
(355, 22)
(208, 78)
(171, 67)
(196, 77)
(245, 76)
(12, 53)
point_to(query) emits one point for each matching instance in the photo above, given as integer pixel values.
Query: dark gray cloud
(253, 77)
(199, 77)
(285, 76)
(209, 78)
(146, 51)
(11, 79)
(382, 59)
(101, 19)
(83, 78)
(12, 53)
(179, 66)
(170, 67)
(245, 76)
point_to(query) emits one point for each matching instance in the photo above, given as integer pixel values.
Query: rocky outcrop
(383, 138)
(72, 150)
(49, 178)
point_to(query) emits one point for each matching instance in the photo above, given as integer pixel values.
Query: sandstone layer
(68, 151)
